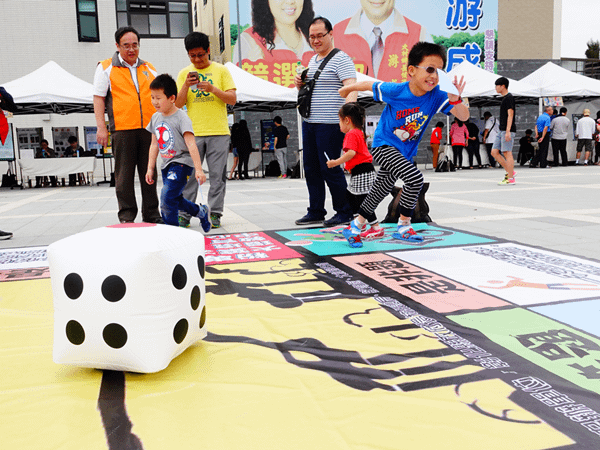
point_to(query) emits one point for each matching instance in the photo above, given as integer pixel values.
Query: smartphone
(194, 74)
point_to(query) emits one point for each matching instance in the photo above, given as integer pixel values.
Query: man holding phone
(206, 88)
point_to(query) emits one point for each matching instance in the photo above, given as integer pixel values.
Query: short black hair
(528, 131)
(563, 110)
(277, 120)
(72, 139)
(439, 125)
(487, 114)
(325, 22)
(121, 31)
(44, 140)
(423, 49)
(196, 40)
(166, 83)
(502, 81)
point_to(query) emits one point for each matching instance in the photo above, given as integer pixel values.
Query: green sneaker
(215, 220)
(183, 222)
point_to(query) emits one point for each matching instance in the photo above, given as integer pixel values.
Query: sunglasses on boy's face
(428, 69)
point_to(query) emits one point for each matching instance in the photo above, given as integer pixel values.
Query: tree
(233, 30)
(593, 50)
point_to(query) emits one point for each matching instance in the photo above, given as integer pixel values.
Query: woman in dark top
(243, 144)
(473, 144)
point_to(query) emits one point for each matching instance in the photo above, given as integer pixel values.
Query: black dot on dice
(201, 265)
(195, 298)
(179, 277)
(203, 317)
(114, 335)
(180, 331)
(113, 288)
(73, 286)
(75, 332)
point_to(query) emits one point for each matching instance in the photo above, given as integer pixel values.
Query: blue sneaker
(352, 234)
(407, 233)
(204, 216)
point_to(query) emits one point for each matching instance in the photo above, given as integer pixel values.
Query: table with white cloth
(59, 167)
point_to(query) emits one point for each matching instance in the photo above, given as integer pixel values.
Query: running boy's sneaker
(204, 216)
(352, 234)
(407, 233)
(372, 234)
(507, 181)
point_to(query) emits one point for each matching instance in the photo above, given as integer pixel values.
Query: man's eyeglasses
(130, 46)
(317, 36)
(429, 69)
(197, 55)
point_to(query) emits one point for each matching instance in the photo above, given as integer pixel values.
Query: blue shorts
(501, 144)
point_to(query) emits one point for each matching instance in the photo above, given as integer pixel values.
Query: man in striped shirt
(321, 133)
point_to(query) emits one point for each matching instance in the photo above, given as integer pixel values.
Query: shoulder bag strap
(331, 54)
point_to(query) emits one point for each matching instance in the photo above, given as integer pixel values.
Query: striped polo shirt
(326, 101)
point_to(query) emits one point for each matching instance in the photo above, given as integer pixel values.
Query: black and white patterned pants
(393, 166)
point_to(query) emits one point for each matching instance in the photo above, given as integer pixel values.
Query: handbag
(306, 91)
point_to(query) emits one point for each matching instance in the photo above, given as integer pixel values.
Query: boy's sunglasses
(428, 69)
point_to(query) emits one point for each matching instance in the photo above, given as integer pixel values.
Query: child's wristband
(457, 102)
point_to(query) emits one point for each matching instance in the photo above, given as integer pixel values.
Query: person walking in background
(505, 139)
(489, 135)
(244, 146)
(6, 103)
(542, 135)
(122, 87)
(473, 144)
(435, 141)
(236, 158)
(559, 128)
(586, 127)
(321, 133)
(281, 134)
(205, 89)
(459, 135)
(597, 138)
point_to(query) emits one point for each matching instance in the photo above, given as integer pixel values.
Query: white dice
(127, 297)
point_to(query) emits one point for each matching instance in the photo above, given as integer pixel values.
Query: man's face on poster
(377, 10)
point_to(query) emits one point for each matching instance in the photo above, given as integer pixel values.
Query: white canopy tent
(551, 80)
(50, 89)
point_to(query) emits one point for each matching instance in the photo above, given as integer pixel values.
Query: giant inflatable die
(127, 297)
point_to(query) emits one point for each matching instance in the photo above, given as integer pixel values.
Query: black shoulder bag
(306, 91)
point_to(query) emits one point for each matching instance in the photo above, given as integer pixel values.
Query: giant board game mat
(459, 342)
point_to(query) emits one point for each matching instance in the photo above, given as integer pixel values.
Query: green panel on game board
(329, 241)
(564, 351)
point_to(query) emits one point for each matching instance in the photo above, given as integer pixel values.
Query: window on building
(196, 15)
(205, 2)
(155, 18)
(222, 34)
(87, 20)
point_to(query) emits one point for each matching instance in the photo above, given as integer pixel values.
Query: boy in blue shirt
(173, 136)
(410, 107)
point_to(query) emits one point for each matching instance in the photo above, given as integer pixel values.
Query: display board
(7, 150)
(461, 341)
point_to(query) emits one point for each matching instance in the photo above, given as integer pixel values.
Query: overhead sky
(580, 23)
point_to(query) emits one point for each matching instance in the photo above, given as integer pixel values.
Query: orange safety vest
(127, 109)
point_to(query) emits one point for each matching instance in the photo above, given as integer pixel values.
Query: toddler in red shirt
(359, 162)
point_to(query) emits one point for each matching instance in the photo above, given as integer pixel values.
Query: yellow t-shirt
(207, 111)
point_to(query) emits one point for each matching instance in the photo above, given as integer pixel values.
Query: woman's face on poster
(286, 11)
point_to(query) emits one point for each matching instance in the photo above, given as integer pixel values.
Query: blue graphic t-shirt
(406, 116)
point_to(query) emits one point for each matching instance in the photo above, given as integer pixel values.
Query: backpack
(445, 165)
(421, 213)
(295, 171)
(273, 169)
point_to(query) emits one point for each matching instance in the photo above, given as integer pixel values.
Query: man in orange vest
(378, 39)
(122, 87)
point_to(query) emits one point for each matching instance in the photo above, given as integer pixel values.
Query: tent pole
(300, 143)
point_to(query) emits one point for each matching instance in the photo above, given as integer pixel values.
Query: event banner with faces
(275, 40)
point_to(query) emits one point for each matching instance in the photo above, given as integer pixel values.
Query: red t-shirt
(355, 140)
(436, 136)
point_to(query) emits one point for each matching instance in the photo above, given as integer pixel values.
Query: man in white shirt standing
(489, 135)
(584, 131)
